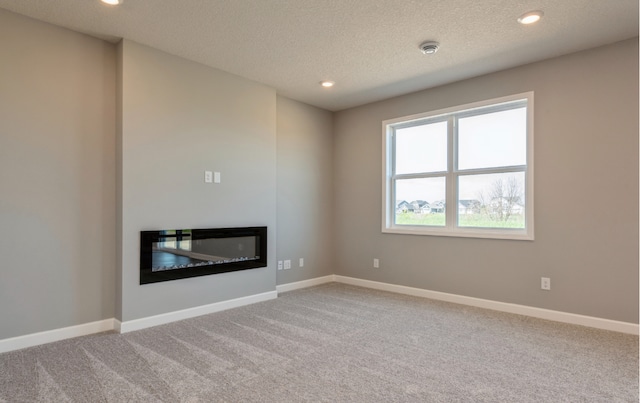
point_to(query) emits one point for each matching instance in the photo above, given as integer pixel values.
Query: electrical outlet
(301, 263)
(287, 264)
(279, 264)
(376, 263)
(545, 283)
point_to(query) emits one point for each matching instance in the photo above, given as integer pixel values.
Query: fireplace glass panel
(172, 254)
(181, 253)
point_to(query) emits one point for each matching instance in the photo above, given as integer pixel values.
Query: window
(465, 171)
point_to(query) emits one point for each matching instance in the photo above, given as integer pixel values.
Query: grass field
(467, 220)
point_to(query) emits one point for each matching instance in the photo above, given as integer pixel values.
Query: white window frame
(451, 228)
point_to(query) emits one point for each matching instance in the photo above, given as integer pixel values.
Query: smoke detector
(429, 47)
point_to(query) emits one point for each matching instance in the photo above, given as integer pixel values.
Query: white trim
(143, 323)
(49, 336)
(460, 232)
(117, 325)
(305, 283)
(557, 316)
(35, 339)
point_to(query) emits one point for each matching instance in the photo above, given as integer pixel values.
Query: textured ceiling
(368, 47)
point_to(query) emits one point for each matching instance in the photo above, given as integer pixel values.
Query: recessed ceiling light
(112, 2)
(327, 84)
(530, 17)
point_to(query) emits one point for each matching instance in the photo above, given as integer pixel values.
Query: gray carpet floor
(333, 343)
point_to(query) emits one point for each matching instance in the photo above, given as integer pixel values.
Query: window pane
(491, 201)
(421, 148)
(420, 201)
(493, 140)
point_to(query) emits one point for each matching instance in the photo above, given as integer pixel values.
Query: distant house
(517, 209)
(416, 206)
(403, 207)
(503, 204)
(421, 206)
(437, 207)
(469, 207)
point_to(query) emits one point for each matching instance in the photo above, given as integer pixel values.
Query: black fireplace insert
(174, 254)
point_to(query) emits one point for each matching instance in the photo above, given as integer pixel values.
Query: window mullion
(451, 168)
(391, 186)
(420, 175)
(493, 170)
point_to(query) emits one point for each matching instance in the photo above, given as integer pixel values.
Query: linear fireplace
(174, 254)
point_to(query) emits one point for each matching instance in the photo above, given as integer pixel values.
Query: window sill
(515, 234)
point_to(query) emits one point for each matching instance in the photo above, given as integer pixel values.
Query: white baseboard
(143, 323)
(305, 283)
(557, 316)
(36, 339)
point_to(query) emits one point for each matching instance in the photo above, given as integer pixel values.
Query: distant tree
(499, 201)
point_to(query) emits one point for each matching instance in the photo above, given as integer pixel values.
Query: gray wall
(57, 180)
(305, 190)
(180, 118)
(586, 192)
